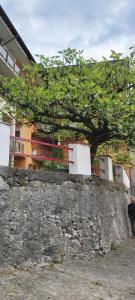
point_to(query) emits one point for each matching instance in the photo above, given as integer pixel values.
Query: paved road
(102, 278)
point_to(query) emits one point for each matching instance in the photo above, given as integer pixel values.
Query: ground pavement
(101, 278)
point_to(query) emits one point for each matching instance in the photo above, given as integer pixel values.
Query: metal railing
(16, 146)
(10, 61)
(42, 153)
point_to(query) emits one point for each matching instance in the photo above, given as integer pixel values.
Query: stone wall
(47, 216)
(132, 180)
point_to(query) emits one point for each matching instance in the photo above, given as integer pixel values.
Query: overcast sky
(47, 26)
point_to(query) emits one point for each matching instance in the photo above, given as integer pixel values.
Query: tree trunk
(93, 150)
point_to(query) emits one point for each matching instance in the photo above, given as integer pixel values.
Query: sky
(96, 27)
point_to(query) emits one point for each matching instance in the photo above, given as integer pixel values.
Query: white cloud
(50, 25)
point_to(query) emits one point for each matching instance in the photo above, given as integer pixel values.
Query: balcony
(16, 147)
(8, 66)
(41, 150)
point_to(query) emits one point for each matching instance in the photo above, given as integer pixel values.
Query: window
(17, 133)
(3, 52)
(11, 61)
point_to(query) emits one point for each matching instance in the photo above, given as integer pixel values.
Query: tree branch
(67, 127)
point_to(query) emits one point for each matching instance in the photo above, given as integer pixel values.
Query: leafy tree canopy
(76, 97)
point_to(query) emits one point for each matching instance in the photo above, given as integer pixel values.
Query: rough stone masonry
(46, 216)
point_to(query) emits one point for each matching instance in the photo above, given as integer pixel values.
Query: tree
(73, 96)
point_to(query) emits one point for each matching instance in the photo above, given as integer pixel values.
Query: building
(13, 54)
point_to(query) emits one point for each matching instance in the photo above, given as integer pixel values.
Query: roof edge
(16, 34)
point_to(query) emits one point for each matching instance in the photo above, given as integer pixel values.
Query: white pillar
(80, 155)
(121, 175)
(12, 133)
(4, 143)
(106, 169)
(12, 127)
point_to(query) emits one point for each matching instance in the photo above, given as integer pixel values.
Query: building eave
(16, 34)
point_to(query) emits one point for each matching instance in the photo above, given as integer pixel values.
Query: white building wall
(4, 143)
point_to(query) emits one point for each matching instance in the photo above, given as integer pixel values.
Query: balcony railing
(16, 146)
(9, 61)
